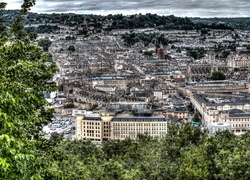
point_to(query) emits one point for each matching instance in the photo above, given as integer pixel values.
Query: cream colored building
(170, 114)
(106, 125)
(239, 61)
(232, 110)
(114, 81)
(106, 88)
(130, 126)
(89, 126)
(239, 119)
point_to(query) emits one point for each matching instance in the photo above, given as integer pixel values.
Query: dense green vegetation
(196, 53)
(111, 22)
(23, 79)
(45, 43)
(71, 48)
(196, 117)
(48, 56)
(236, 23)
(225, 53)
(70, 38)
(150, 21)
(218, 75)
(185, 153)
(42, 29)
(154, 38)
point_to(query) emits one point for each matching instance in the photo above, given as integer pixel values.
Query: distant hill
(235, 23)
(117, 21)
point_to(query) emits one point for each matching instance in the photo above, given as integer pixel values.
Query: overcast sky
(189, 8)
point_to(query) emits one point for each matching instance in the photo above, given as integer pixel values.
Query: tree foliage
(42, 29)
(185, 152)
(196, 53)
(45, 43)
(196, 117)
(23, 79)
(218, 75)
(71, 48)
(154, 38)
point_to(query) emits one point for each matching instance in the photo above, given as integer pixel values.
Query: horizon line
(132, 14)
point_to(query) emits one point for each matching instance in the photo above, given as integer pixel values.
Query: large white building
(233, 110)
(240, 61)
(109, 125)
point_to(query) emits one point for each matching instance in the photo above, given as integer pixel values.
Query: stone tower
(211, 57)
(160, 52)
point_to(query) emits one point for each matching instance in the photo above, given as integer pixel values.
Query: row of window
(91, 123)
(91, 135)
(139, 124)
(92, 127)
(139, 128)
(241, 125)
(239, 119)
(140, 132)
(131, 136)
(91, 131)
(243, 130)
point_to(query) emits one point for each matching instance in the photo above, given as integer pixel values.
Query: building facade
(108, 125)
(235, 111)
(239, 61)
(130, 126)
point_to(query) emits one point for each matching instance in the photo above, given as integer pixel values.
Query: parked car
(67, 131)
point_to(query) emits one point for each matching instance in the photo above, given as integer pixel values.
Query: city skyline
(182, 8)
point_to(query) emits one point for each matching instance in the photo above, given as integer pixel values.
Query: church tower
(211, 57)
(160, 52)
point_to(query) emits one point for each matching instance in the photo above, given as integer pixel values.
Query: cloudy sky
(190, 8)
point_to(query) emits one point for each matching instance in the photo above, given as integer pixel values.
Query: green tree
(178, 50)
(225, 54)
(23, 79)
(71, 48)
(196, 53)
(218, 75)
(69, 105)
(45, 44)
(148, 53)
(196, 117)
(185, 152)
(167, 56)
(48, 55)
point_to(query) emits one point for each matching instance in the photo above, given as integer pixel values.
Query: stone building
(240, 61)
(160, 53)
(239, 119)
(109, 125)
(233, 110)
(130, 126)
(115, 81)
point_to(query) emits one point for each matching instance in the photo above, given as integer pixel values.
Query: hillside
(236, 23)
(111, 22)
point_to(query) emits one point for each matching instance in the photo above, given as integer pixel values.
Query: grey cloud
(203, 7)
